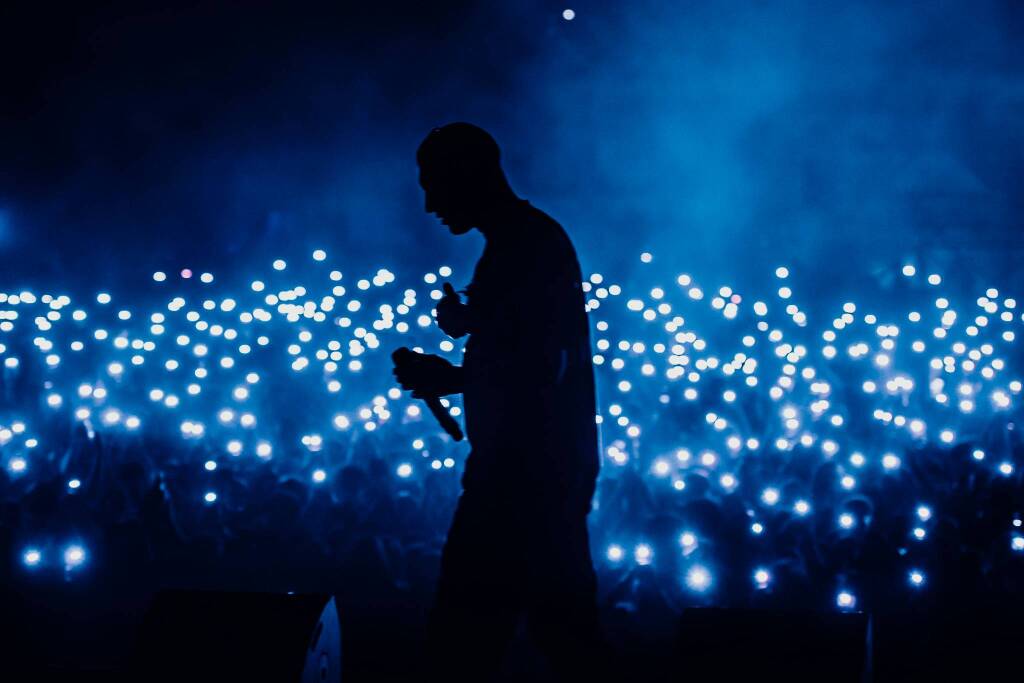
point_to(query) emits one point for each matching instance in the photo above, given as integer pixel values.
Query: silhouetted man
(518, 542)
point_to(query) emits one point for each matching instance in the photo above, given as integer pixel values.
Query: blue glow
(685, 358)
(698, 578)
(643, 554)
(74, 556)
(31, 557)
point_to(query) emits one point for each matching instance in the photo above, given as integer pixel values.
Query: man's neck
(501, 216)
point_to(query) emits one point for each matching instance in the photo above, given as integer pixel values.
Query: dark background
(723, 137)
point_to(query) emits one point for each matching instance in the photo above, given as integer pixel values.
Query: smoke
(726, 138)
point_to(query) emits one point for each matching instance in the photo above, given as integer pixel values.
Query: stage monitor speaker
(219, 636)
(768, 645)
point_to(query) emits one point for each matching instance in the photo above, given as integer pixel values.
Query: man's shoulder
(545, 236)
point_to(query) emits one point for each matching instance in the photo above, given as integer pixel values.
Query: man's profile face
(447, 198)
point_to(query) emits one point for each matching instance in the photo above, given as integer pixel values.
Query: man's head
(461, 176)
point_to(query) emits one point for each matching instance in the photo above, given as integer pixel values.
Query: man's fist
(452, 314)
(425, 374)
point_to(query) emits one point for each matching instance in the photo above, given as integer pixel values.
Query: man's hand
(426, 374)
(452, 314)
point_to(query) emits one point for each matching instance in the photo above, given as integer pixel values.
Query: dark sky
(718, 135)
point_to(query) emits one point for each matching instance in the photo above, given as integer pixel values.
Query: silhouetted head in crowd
(462, 179)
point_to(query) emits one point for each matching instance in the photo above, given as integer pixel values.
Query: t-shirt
(529, 395)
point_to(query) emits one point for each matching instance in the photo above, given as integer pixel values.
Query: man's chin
(459, 229)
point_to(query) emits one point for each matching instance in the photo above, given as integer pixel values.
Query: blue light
(762, 577)
(643, 554)
(31, 557)
(198, 363)
(698, 578)
(74, 556)
(846, 600)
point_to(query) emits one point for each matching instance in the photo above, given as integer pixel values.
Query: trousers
(512, 556)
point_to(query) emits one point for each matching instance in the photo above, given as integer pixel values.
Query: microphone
(440, 413)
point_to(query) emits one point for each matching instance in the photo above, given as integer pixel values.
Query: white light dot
(698, 578)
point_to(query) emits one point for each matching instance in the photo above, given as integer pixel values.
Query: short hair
(461, 146)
